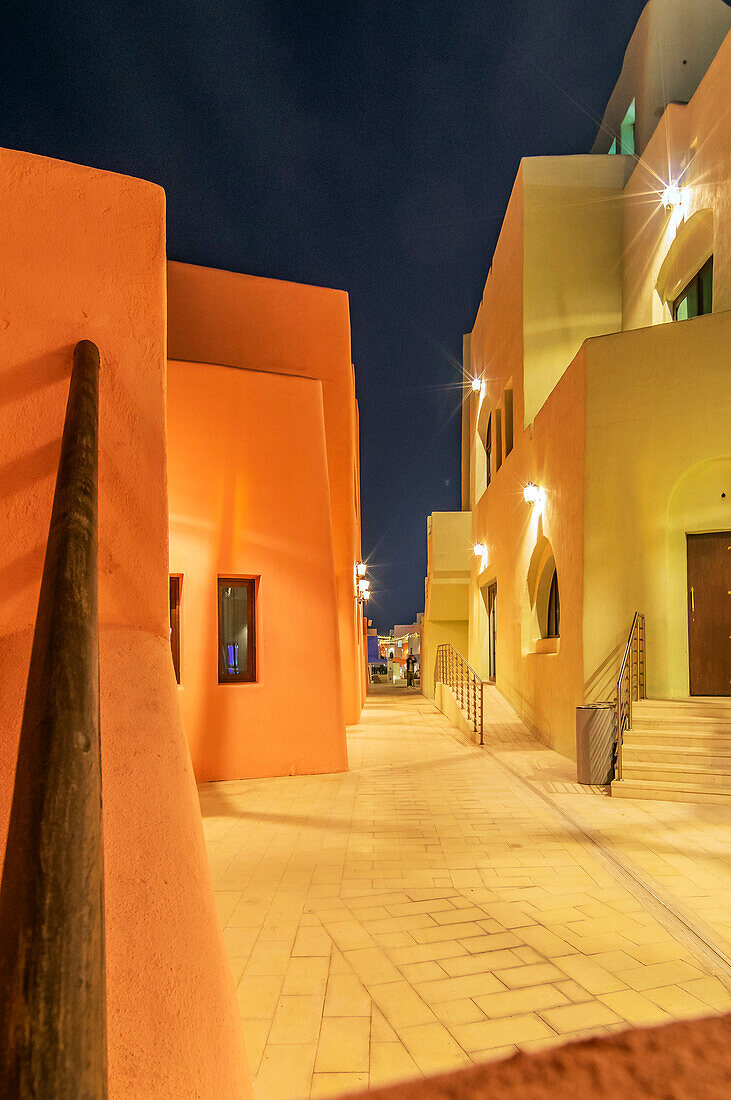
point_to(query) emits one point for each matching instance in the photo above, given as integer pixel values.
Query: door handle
(692, 599)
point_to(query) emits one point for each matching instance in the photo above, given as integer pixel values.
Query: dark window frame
(508, 426)
(488, 449)
(696, 283)
(176, 587)
(553, 613)
(248, 674)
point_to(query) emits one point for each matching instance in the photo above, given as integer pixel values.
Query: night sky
(367, 146)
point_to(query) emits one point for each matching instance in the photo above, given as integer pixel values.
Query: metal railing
(630, 682)
(452, 670)
(52, 959)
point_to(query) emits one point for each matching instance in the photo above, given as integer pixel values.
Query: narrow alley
(441, 904)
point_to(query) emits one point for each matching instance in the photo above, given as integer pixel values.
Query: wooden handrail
(52, 968)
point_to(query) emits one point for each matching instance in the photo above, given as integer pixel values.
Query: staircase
(678, 750)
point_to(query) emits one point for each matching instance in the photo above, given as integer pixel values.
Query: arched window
(543, 599)
(553, 616)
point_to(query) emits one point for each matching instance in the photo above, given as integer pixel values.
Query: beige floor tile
(306, 976)
(336, 1084)
(634, 1008)
(344, 1045)
(496, 941)
(484, 963)
(346, 996)
(659, 974)
(711, 992)
(589, 974)
(423, 972)
(452, 989)
(381, 1030)
(457, 1012)
(432, 1047)
(530, 974)
(256, 1033)
(391, 1062)
(258, 997)
(312, 941)
(427, 952)
(579, 1017)
(513, 1002)
(401, 1005)
(677, 1001)
(494, 1054)
(268, 958)
(493, 1033)
(372, 965)
(296, 1020)
(285, 1072)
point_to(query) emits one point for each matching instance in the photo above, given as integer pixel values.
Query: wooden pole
(52, 974)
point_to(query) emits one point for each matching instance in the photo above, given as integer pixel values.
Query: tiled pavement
(435, 906)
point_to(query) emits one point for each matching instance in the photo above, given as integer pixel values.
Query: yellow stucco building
(596, 450)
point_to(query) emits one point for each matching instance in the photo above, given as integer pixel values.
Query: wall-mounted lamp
(478, 549)
(360, 569)
(476, 384)
(671, 196)
(534, 494)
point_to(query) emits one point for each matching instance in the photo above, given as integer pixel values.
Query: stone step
(679, 739)
(712, 758)
(707, 707)
(668, 791)
(695, 774)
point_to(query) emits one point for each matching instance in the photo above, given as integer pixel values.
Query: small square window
(236, 630)
(696, 299)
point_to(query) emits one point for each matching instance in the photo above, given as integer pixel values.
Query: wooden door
(491, 629)
(709, 613)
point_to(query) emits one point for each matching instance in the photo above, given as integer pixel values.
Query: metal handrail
(630, 682)
(451, 669)
(52, 959)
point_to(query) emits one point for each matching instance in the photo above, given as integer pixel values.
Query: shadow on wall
(602, 684)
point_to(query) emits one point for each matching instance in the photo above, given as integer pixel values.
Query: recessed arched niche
(691, 247)
(543, 599)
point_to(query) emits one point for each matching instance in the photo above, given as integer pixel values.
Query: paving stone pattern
(426, 910)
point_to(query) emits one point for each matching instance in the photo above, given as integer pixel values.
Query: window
(627, 131)
(613, 146)
(498, 439)
(697, 297)
(553, 617)
(176, 581)
(488, 450)
(236, 630)
(508, 403)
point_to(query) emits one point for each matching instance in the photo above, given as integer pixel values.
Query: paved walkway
(442, 904)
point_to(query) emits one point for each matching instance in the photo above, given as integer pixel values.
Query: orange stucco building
(263, 473)
(260, 460)
(84, 257)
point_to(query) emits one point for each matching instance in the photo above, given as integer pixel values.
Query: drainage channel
(700, 942)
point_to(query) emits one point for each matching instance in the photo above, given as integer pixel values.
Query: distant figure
(410, 666)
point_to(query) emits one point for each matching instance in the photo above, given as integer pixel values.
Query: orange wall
(249, 496)
(287, 328)
(83, 255)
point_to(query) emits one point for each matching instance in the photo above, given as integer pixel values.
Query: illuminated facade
(596, 469)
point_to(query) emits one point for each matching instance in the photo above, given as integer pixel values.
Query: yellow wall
(658, 457)
(572, 272)
(449, 549)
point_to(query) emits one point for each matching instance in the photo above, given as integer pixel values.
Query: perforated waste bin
(596, 743)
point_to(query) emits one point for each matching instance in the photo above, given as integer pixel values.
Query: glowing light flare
(671, 196)
(478, 549)
(534, 494)
(476, 384)
(361, 569)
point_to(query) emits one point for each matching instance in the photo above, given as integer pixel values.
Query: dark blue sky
(368, 146)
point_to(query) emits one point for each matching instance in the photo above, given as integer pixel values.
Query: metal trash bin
(596, 743)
